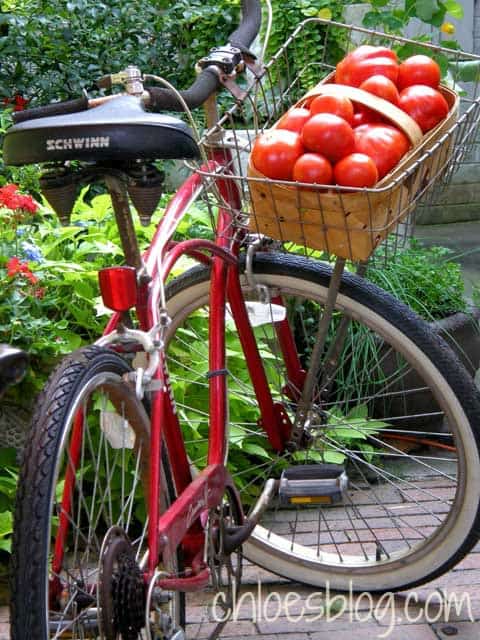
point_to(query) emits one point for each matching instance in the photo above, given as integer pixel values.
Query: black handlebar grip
(54, 109)
(207, 82)
(249, 27)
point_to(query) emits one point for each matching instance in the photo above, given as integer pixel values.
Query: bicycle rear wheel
(82, 511)
(400, 415)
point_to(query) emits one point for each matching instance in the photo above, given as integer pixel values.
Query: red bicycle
(258, 399)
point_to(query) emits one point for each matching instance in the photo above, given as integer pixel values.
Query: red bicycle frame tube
(67, 494)
(166, 530)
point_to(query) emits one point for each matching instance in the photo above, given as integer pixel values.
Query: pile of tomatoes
(332, 140)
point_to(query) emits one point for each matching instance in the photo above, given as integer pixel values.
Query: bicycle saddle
(120, 129)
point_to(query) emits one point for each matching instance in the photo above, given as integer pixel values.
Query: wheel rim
(382, 535)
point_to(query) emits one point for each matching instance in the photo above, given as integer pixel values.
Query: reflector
(118, 286)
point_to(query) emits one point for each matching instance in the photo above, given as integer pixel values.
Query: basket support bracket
(302, 417)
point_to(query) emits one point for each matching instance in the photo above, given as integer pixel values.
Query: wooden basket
(345, 222)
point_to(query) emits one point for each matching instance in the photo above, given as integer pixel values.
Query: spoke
(385, 475)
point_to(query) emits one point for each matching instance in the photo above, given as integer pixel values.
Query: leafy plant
(66, 45)
(26, 176)
(427, 279)
(8, 487)
(394, 18)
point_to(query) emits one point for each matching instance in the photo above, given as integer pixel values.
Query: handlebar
(249, 27)
(206, 83)
(55, 109)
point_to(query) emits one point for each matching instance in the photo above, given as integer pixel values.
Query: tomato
(418, 70)
(329, 135)
(364, 115)
(425, 105)
(313, 167)
(342, 72)
(356, 170)
(363, 69)
(294, 119)
(383, 143)
(275, 152)
(338, 105)
(382, 87)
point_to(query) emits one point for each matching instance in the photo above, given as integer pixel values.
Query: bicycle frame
(181, 523)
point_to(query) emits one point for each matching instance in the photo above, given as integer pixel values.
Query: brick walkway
(400, 617)
(424, 620)
(270, 608)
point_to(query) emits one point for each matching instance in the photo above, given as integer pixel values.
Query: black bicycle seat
(120, 129)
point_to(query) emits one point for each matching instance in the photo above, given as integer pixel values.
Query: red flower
(16, 267)
(12, 199)
(18, 101)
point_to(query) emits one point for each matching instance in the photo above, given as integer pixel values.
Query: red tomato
(382, 87)
(329, 135)
(384, 144)
(356, 170)
(342, 73)
(313, 167)
(338, 105)
(363, 69)
(364, 115)
(294, 119)
(425, 105)
(418, 70)
(275, 152)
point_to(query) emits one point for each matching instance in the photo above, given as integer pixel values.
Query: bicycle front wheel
(79, 545)
(399, 414)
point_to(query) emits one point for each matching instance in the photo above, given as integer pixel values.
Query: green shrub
(427, 279)
(51, 50)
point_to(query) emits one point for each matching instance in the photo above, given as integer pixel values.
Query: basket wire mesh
(334, 220)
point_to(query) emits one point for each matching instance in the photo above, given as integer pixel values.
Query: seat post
(123, 215)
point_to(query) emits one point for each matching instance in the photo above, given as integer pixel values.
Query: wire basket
(334, 220)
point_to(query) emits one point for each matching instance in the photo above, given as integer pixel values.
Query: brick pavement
(427, 616)
(365, 619)
(281, 610)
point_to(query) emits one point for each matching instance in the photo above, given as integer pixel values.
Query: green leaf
(360, 411)
(371, 19)
(334, 457)
(455, 9)
(426, 9)
(466, 71)
(345, 433)
(255, 449)
(6, 544)
(6, 523)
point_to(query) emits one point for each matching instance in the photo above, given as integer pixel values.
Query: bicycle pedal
(313, 484)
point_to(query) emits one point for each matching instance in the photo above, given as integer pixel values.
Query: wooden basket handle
(401, 119)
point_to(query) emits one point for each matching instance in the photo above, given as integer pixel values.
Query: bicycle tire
(89, 381)
(416, 349)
